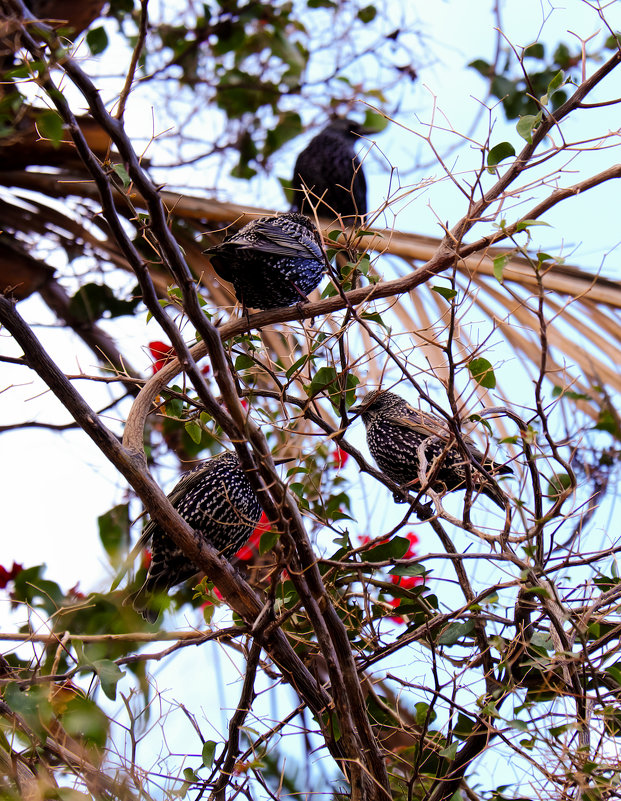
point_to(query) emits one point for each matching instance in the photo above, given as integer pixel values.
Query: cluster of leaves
(250, 60)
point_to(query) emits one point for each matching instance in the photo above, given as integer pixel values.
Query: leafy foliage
(424, 640)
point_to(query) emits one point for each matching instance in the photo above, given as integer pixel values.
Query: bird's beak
(354, 412)
(285, 460)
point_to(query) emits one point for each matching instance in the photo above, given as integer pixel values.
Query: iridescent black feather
(272, 261)
(216, 499)
(330, 172)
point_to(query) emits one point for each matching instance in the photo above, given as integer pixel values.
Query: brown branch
(238, 594)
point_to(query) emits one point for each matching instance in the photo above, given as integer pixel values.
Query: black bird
(332, 175)
(395, 432)
(272, 261)
(216, 499)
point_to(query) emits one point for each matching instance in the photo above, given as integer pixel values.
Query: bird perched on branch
(395, 433)
(216, 499)
(272, 261)
(328, 174)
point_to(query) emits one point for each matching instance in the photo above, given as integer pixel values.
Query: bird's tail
(142, 602)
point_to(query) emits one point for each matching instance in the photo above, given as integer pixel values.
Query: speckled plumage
(216, 499)
(395, 431)
(272, 261)
(330, 170)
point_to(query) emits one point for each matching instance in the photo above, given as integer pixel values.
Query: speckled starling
(216, 499)
(395, 432)
(272, 261)
(332, 175)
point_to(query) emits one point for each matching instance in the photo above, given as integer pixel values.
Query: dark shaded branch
(237, 592)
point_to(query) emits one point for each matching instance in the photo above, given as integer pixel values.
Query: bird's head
(378, 402)
(348, 128)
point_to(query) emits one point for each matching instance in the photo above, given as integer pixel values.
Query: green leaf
(120, 170)
(244, 362)
(524, 224)
(535, 50)
(84, 720)
(450, 752)
(423, 715)
(559, 392)
(114, 532)
(464, 726)
(367, 14)
(555, 83)
(612, 43)
(396, 548)
(556, 731)
(322, 379)
(93, 301)
(374, 317)
(374, 122)
(267, 541)
(527, 124)
(455, 631)
(483, 373)
(29, 586)
(288, 126)
(559, 483)
(504, 150)
(483, 67)
(195, 432)
(476, 418)
(615, 672)
(413, 569)
(499, 266)
(32, 704)
(209, 749)
(608, 421)
(109, 675)
(97, 40)
(189, 775)
(50, 126)
(446, 292)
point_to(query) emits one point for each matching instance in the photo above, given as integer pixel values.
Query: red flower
(247, 551)
(74, 592)
(340, 457)
(9, 575)
(407, 582)
(364, 539)
(161, 353)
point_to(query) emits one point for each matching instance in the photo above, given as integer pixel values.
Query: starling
(216, 499)
(395, 432)
(272, 261)
(330, 172)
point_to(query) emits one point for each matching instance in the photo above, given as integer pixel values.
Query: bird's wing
(425, 428)
(277, 242)
(426, 424)
(431, 426)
